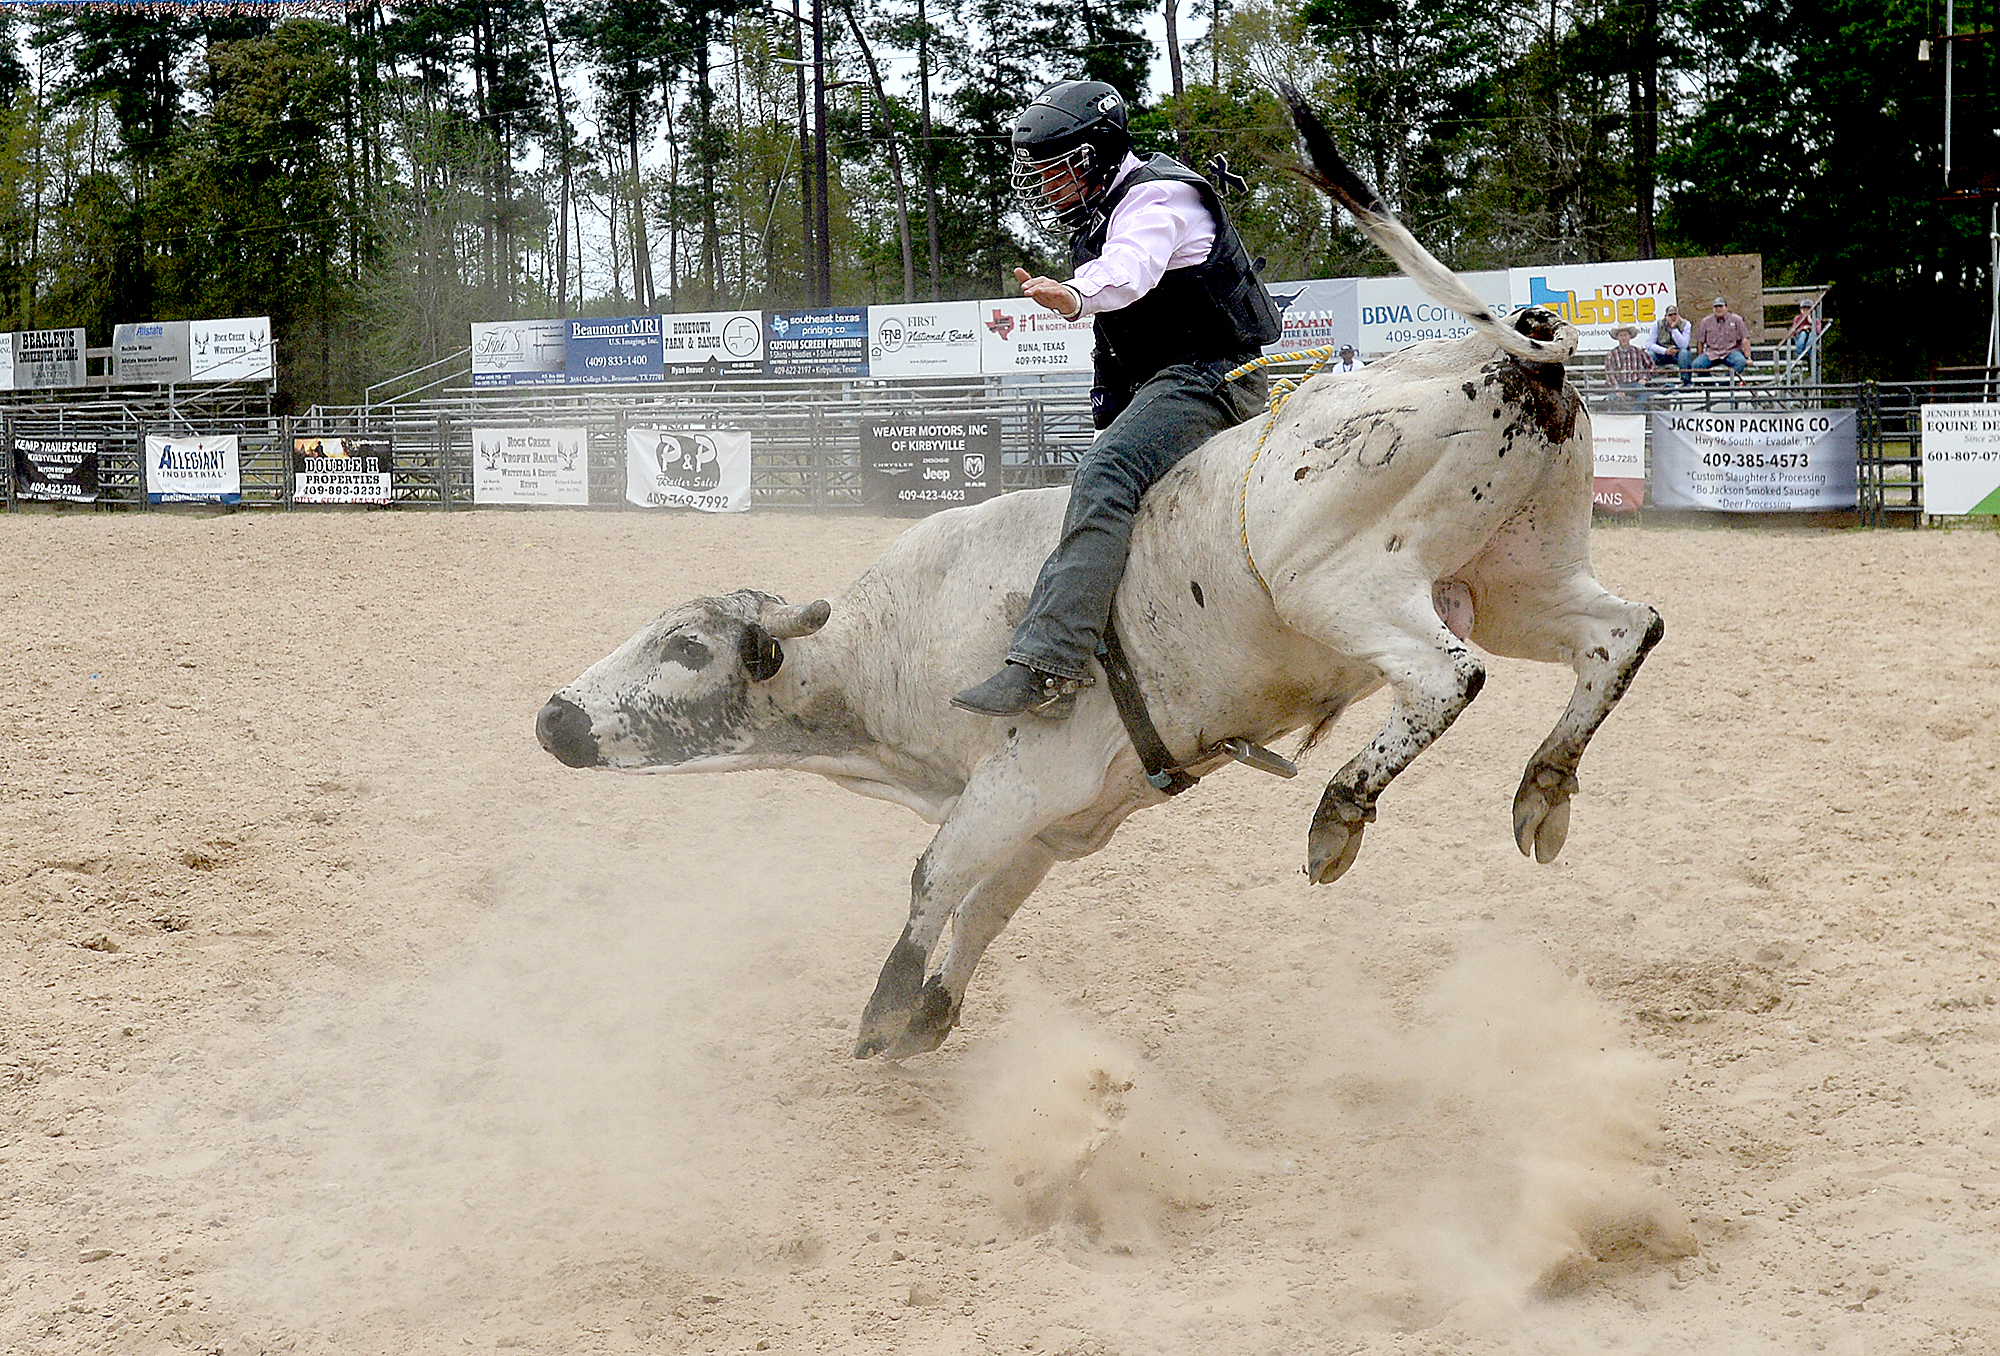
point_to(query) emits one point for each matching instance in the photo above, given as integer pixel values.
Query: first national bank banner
(1754, 461)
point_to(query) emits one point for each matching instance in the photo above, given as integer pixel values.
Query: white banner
(6, 362)
(1395, 311)
(1598, 298)
(193, 470)
(1315, 313)
(518, 352)
(1754, 461)
(706, 469)
(1962, 459)
(49, 359)
(940, 339)
(1018, 335)
(230, 350)
(530, 466)
(155, 352)
(1618, 457)
(713, 343)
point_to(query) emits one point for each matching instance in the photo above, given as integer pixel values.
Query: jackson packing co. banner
(917, 465)
(156, 352)
(61, 470)
(706, 469)
(1754, 461)
(518, 352)
(625, 348)
(530, 466)
(940, 339)
(1017, 335)
(1315, 313)
(1618, 455)
(340, 471)
(1962, 459)
(48, 359)
(1597, 298)
(831, 341)
(230, 350)
(713, 344)
(1393, 312)
(193, 470)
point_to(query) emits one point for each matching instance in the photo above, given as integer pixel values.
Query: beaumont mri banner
(705, 469)
(1754, 461)
(193, 470)
(530, 466)
(620, 349)
(1962, 459)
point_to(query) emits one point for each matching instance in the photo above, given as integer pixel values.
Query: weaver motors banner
(829, 342)
(48, 359)
(1393, 312)
(230, 350)
(1962, 459)
(1618, 455)
(1598, 298)
(1315, 313)
(60, 470)
(940, 339)
(518, 353)
(706, 469)
(193, 470)
(340, 471)
(916, 465)
(713, 344)
(1018, 335)
(625, 348)
(1754, 461)
(530, 466)
(155, 352)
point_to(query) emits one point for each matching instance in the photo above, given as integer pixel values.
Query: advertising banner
(230, 350)
(918, 466)
(597, 352)
(1754, 461)
(940, 339)
(340, 471)
(1618, 454)
(1315, 313)
(706, 469)
(154, 352)
(193, 470)
(518, 352)
(1393, 312)
(1597, 298)
(1962, 459)
(829, 342)
(56, 470)
(714, 344)
(1018, 335)
(6, 362)
(530, 466)
(48, 359)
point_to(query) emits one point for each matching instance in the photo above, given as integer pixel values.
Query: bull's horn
(790, 622)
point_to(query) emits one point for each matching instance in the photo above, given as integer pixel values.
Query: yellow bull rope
(1281, 391)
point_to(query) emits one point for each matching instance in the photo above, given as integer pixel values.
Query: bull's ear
(789, 623)
(761, 654)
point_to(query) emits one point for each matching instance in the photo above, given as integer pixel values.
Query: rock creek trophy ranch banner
(230, 350)
(829, 342)
(936, 340)
(530, 466)
(155, 352)
(1962, 459)
(1754, 461)
(705, 469)
(56, 470)
(1618, 454)
(713, 344)
(597, 352)
(1018, 335)
(340, 471)
(193, 470)
(1598, 298)
(915, 465)
(519, 353)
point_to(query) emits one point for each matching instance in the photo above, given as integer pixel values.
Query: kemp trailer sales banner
(705, 469)
(530, 466)
(340, 471)
(1754, 461)
(193, 471)
(1962, 459)
(56, 470)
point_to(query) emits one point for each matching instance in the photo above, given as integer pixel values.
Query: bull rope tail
(1281, 391)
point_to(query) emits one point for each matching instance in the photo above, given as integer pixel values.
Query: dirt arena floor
(335, 1017)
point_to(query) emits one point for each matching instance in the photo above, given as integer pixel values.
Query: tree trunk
(895, 158)
(930, 160)
(1646, 119)
(563, 200)
(1172, 8)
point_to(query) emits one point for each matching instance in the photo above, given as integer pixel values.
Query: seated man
(1625, 367)
(1670, 338)
(1176, 306)
(1721, 337)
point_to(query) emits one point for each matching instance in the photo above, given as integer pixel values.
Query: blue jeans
(1733, 359)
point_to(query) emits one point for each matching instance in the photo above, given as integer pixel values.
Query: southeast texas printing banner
(340, 471)
(1962, 459)
(59, 470)
(1754, 461)
(919, 465)
(1618, 455)
(530, 466)
(706, 469)
(830, 341)
(193, 471)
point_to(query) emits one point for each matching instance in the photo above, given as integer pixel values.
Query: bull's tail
(1333, 176)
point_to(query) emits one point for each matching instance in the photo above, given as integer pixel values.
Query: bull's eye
(761, 654)
(686, 651)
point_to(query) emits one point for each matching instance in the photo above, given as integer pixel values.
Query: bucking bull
(1382, 521)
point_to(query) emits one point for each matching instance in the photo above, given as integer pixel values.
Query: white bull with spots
(1438, 497)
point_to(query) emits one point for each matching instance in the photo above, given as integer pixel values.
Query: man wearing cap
(1625, 367)
(1349, 360)
(1721, 337)
(1671, 337)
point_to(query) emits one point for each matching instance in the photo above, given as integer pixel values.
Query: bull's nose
(564, 730)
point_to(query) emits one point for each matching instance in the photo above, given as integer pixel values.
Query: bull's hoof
(1335, 837)
(1541, 812)
(929, 1026)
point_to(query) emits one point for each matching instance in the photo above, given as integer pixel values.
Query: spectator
(1722, 337)
(1349, 360)
(1806, 329)
(1626, 367)
(1671, 337)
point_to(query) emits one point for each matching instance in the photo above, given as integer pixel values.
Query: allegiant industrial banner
(1597, 298)
(1754, 461)
(1962, 459)
(340, 471)
(530, 466)
(518, 353)
(829, 342)
(61, 470)
(626, 348)
(706, 469)
(193, 470)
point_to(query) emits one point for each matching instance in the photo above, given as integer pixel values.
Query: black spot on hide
(686, 651)
(761, 654)
(1300, 474)
(1194, 587)
(1471, 391)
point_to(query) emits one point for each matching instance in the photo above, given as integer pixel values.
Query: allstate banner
(1618, 454)
(1962, 459)
(1597, 298)
(919, 465)
(936, 340)
(620, 349)
(56, 470)
(193, 470)
(831, 341)
(1395, 311)
(156, 352)
(530, 466)
(1314, 313)
(518, 352)
(1019, 335)
(705, 469)
(714, 344)
(230, 350)
(341, 471)
(1754, 461)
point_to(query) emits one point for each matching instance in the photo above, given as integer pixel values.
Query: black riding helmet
(1078, 125)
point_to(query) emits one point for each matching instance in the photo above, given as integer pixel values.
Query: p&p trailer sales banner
(621, 349)
(1962, 459)
(1754, 461)
(706, 469)
(340, 471)
(193, 470)
(530, 466)
(56, 470)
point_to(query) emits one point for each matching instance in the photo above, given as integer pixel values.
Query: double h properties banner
(340, 471)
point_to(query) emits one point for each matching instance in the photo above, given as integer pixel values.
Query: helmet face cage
(1056, 193)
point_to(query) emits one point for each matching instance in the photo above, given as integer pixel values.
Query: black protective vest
(1215, 309)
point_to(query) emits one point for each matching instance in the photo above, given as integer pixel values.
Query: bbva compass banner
(193, 470)
(705, 469)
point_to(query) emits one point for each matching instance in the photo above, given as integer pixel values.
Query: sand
(337, 1017)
